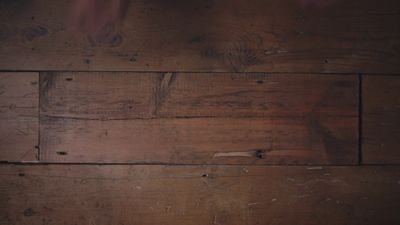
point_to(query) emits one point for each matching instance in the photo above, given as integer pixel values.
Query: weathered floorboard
(106, 95)
(194, 195)
(19, 101)
(381, 119)
(358, 36)
(201, 140)
(199, 118)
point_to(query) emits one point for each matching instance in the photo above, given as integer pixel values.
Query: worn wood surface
(19, 101)
(79, 194)
(358, 36)
(199, 118)
(201, 140)
(300, 109)
(105, 95)
(381, 119)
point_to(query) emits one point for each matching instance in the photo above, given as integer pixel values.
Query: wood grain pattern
(194, 195)
(358, 36)
(106, 95)
(199, 118)
(381, 119)
(19, 101)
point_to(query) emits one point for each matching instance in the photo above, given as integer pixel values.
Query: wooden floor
(202, 112)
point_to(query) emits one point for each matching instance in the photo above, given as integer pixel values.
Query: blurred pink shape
(316, 3)
(95, 16)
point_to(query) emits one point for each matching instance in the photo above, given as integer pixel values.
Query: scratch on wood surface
(315, 168)
(253, 203)
(234, 154)
(259, 153)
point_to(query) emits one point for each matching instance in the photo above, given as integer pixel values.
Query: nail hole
(61, 153)
(326, 61)
(259, 154)
(29, 212)
(260, 82)
(204, 175)
(68, 79)
(21, 174)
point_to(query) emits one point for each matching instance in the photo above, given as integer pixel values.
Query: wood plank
(199, 118)
(381, 121)
(201, 140)
(356, 36)
(194, 195)
(106, 95)
(19, 101)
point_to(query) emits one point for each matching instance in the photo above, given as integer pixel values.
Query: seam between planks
(207, 72)
(310, 166)
(360, 119)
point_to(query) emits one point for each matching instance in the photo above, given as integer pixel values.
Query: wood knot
(36, 32)
(108, 39)
(29, 212)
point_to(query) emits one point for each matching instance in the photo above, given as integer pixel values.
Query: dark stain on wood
(36, 32)
(29, 212)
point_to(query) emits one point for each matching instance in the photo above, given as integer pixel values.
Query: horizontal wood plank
(116, 95)
(19, 113)
(340, 36)
(381, 119)
(194, 195)
(199, 118)
(202, 140)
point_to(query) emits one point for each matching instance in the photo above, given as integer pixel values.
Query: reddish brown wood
(381, 119)
(358, 36)
(199, 118)
(198, 195)
(104, 95)
(19, 100)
